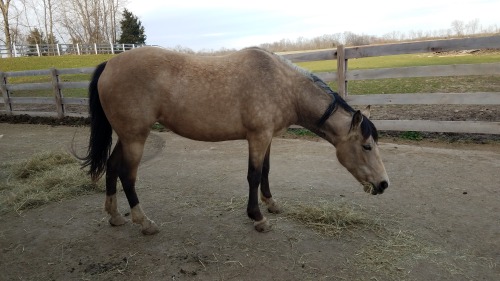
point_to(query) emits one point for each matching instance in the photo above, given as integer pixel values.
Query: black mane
(367, 127)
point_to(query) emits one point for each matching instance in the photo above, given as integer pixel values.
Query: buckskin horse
(251, 94)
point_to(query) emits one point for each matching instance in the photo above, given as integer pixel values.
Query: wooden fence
(342, 76)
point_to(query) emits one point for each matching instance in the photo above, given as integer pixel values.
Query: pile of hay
(46, 177)
(332, 219)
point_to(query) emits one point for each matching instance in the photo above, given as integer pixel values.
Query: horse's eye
(367, 147)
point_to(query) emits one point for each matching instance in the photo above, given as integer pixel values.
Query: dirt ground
(441, 215)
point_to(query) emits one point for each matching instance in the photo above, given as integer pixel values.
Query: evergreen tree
(132, 29)
(36, 37)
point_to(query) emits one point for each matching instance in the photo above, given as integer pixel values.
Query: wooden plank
(44, 114)
(57, 93)
(473, 127)
(29, 86)
(83, 114)
(426, 71)
(28, 73)
(489, 42)
(479, 98)
(85, 70)
(35, 114)
(327, 76)
(31, 100)
(5, 93)
(73, 85)
(312, 56)
(76, 101)
(341, 71)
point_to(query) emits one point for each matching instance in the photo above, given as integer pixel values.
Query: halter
(329, 111)
(332, 106)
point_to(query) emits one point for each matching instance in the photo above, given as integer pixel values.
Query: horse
(251, 94)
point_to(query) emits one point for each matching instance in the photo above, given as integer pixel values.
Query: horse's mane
(367, 127)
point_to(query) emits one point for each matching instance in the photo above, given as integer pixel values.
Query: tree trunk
(4, 6)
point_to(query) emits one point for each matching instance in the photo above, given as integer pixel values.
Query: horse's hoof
(274, 209)
(117, 220)
(150, 229)
(262, 225)
(272, 206)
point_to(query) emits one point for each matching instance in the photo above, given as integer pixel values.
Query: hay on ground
(46, 177)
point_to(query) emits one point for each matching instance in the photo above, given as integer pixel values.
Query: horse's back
(200, 97)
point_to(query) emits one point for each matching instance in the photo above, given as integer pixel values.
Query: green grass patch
(452, 84)
(301, 132)
(411, 135)
(59, 62)
(401, 61)
(69, 61)
(46, 177)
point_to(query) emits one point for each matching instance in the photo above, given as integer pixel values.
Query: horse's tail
(100, 130)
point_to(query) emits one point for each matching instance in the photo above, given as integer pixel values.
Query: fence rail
(65, 49)
(342, 76)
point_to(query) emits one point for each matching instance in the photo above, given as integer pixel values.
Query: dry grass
(46, 177)
(386, 250)
(332, 218)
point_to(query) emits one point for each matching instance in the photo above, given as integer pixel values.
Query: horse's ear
(366, 111)
(357, 118)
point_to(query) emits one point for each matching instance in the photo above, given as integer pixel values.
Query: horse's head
(357, 150)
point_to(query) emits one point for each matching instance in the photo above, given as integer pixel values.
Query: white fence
(64, 49)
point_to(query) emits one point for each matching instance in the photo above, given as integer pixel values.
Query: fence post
(5, 93)
(341, 71)
(57, 93)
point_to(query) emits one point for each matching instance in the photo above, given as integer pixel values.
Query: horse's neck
(312, 105)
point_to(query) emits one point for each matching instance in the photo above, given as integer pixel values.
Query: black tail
(100, 130)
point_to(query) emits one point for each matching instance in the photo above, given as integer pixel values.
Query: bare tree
(472, 27)
(48, 12)
(4, 6)
(458, 26)
(91, 21)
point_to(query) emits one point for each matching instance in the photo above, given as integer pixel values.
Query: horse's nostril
(384, 185)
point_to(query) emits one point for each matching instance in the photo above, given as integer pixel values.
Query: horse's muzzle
(382, 186)
(375, 189)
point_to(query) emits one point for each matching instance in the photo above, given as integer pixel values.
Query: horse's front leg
(265, 192)
(257, 145)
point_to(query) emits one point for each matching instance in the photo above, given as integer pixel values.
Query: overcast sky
(215, 24)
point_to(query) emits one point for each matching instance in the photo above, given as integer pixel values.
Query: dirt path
(440, 216)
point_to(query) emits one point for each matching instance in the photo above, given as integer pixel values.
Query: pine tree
(132, 29)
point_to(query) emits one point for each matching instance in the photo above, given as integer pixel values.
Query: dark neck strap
(329, 111)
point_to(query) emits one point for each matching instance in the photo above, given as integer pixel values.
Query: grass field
(405, 85)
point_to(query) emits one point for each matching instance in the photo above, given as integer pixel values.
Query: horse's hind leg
(265, 192)
(132, 153)
(112, 168)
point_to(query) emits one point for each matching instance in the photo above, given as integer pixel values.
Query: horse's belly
(204, 131)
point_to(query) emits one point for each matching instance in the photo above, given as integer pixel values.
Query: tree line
(74, 21)
(457, 29)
